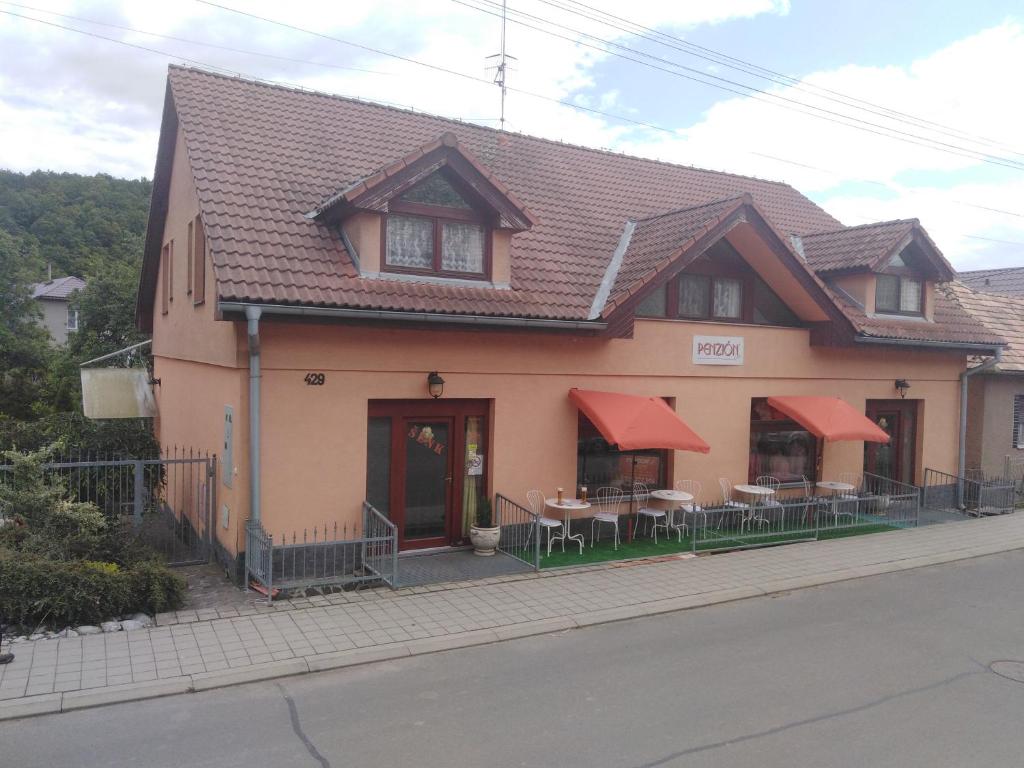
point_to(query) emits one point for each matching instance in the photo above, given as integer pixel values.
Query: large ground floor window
(600, 464)
(779, 446)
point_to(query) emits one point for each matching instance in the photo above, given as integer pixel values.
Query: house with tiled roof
(361, 307)
(54, 299)
(995, 401)
(1007, 281)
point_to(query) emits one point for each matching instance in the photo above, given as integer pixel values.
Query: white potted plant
(483, 533)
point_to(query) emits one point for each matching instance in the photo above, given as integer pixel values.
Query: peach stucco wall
(314, 438)
(200, 364)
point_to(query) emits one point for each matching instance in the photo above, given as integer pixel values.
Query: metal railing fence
(878, 504)
(329, 556)
(975, 495)
(520, 531)
(165, 502)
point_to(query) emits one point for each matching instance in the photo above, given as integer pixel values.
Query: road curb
(204, 681)
(119, 694)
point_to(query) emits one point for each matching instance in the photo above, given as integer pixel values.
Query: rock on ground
(111, 626)
(88, 629)
(143, 619)
(130, 624)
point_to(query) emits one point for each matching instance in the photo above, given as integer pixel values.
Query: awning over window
(633, 422)
(830, 418)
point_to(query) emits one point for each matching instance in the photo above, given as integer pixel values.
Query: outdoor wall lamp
(435, 384)
(902, 385)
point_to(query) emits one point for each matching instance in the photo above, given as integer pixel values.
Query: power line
(483, 81)
(717, 57)
(757, 94)
(183, 39)
(438, 68)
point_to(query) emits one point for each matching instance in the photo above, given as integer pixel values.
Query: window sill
(898, 316)
(406, 277)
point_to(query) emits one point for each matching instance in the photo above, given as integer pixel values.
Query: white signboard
(718, 350)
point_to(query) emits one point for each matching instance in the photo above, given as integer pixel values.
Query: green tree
(25, 353)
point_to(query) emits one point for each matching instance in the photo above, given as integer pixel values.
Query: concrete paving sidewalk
(204, 650)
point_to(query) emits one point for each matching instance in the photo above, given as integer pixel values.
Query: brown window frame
(198, 262)
(900, 274)
(713, 273)
(166, 275)
(188, 261)
(439, 215)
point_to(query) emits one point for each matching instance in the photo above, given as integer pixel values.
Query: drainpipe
(252, 315)
(962, 458)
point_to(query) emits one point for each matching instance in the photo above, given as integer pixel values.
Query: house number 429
(315, 379)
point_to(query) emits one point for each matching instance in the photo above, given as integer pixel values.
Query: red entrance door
(896, 459)
(425, 467)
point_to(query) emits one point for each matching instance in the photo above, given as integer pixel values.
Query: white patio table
(834, 487)
(567, 507)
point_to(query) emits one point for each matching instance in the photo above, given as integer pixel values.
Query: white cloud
(860, 176)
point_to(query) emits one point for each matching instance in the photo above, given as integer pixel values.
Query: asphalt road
(885, 671)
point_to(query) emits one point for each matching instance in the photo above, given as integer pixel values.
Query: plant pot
(485, 540)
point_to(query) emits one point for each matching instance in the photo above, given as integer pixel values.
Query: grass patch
(644, 546)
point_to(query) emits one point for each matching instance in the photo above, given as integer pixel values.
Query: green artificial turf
(644, 546)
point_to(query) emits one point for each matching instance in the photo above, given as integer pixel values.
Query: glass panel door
(378, 464)
(427, 479)
(473, 487)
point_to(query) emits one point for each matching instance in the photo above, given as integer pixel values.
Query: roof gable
(444, 154)
(661, 246)
(871, 247)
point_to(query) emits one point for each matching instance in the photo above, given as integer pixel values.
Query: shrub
(36, 590)
(155, 588)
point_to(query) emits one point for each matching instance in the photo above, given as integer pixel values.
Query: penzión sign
(718, 350)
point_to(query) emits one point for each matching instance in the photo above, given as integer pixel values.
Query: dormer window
(432, 229)
(898, 294)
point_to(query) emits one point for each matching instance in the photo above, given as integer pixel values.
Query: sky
(875, 110)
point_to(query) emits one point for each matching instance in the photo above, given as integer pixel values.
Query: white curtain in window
(462, 247)
(410, 242)
(728, 297)
(910, 295)
(693, 296)
(887, 293)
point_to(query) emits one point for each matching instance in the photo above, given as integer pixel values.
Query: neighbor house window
(599, 464)
(72, 324)
(432, 229)
(779, 446)
(1018, 421)
(197, 260)
(898, 294)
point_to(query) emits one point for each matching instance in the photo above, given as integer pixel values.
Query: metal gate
(165, 503)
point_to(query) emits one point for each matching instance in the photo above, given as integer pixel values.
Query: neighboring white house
(54, 297)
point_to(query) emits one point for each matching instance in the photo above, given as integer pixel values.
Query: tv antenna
(501, 68)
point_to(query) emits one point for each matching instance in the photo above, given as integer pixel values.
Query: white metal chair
(657, 517)
(729, 503)
(846, 501)
(769, 502)
(537, 506)
(609, 504)
(693, 508)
